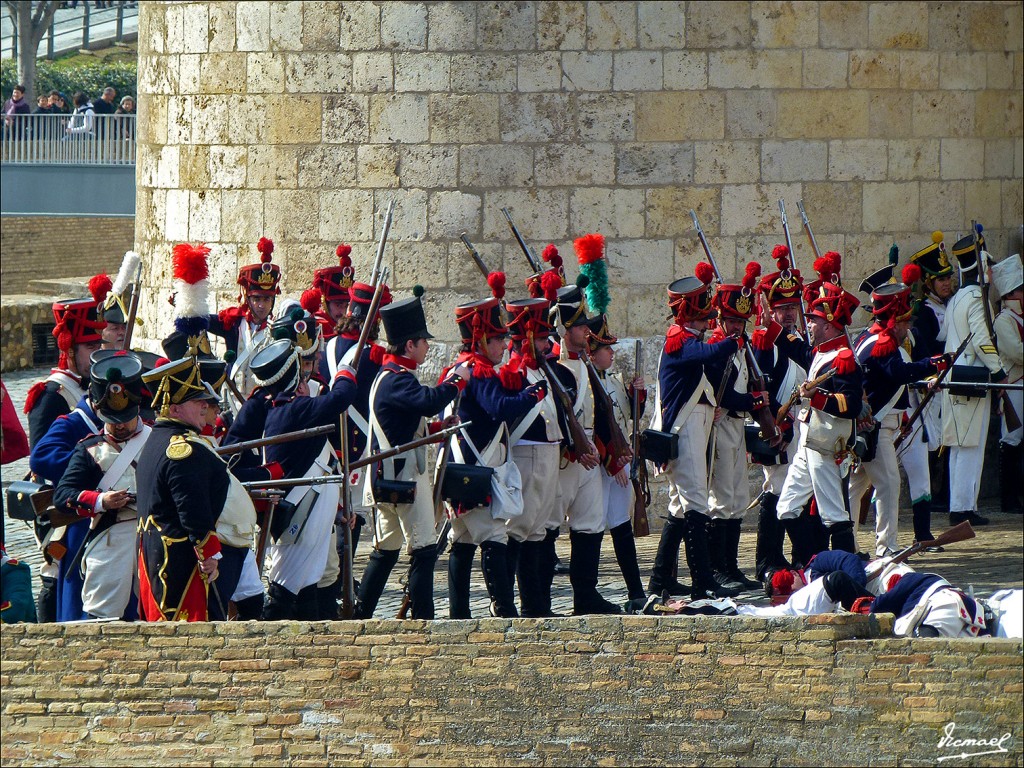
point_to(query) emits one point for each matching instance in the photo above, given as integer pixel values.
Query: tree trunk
(31, 24)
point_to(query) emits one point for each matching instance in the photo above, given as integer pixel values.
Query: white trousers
(618, 501)
(813, 474)
(729, 493)
(883, 472)
(301, 564)
(1013, 438)
(688, 474)
(538, 464)
(580, 499)
(250, 582)
(111, 571)
(476, 527)
(913, 455)
(965, 465)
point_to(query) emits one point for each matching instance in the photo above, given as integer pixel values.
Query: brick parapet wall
(300, 121)
(46, 247)
(633, 690)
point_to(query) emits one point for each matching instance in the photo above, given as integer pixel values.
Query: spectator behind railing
(82, 118)
(14, 106)
(126, 128)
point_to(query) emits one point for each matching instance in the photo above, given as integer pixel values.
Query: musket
(365, 461)
(264, 537)
(638, 469)
(934, 387)
(792, 255)
(961, 532)
(348, 590)
(620, 454)
(379, 258)
(476, 256)
(371, 317)
(794, 397)
(133, 309)
(808, 230)
(973, 385)
(284, 437)
(442, 465)
(580, 444)
(534, 264)
(763, 415)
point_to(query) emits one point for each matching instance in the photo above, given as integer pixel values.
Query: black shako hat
(404, 320)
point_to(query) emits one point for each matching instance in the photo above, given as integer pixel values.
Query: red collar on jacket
(401, 361)
(839, 342)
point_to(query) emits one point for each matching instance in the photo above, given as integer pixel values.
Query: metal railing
(78, 139)
(76, 28)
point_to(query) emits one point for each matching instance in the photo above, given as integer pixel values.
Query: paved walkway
(987, 563)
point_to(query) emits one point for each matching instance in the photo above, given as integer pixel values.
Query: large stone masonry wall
(638, 690)
(301, 120)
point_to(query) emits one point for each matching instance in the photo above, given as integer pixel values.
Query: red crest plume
(589, 248)
(496, 280)
(752, 273)
(189, 262)
(266, 248)
(551, 256)
(310, 300)
(99, 287)
(704, 272)
(342, 252)
(911, 274)
(782, 582)
(550, 282)
(781, 255)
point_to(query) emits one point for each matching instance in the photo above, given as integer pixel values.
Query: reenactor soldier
(334, 284)
(618, 490)
(536, 448)
(99, 485)
(399, 488)
(115, 306)
(728, 490)
(824, 455)
(965, 409)
(246, 328)
(930, 334)
(491, 407)
(888, 370)
(300, 555)
(182, 489)
(580, 488)
(1009, 330)
(686, 409)
(781, 291)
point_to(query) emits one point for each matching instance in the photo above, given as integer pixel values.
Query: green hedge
(90, 79)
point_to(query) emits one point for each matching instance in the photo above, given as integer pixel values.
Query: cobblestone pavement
(987, 563)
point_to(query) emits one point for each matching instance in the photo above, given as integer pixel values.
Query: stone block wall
(18, 313)
(44, 247)
(638, 690)
(301, 120)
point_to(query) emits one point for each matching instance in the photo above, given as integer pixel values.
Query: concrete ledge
(602, 690)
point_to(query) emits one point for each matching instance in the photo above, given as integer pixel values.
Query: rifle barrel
(284, 437)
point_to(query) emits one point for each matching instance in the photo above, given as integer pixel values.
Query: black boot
(460, 570)
(662, 579)
(955, 518)
(493, 557)
(841, 588)
(280, 603)
(923, 520)
(1009, 487)
(512, 559)
(938, 468)
(421, 582)
(583, 563)
(717, 547)
(249, 608)
(46, 600)
(732, 554)
(770, 538)
(625, 555)
(547, 560)
(531, 599)
(803, 539)
(841, 535)
(307, 604)
(327, 601)
(375, 578)
(699, 559)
